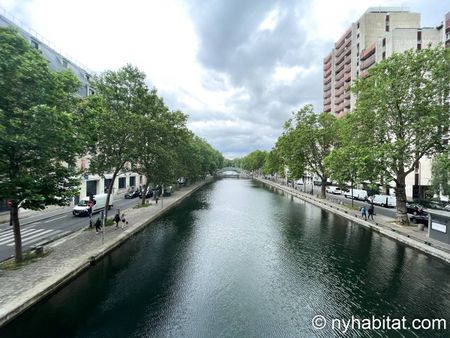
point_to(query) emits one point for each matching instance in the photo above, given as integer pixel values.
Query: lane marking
(54, 219)
(11, 235)
(34, 236)
(27, 242)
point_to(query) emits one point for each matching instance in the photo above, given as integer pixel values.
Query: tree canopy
(39, 135)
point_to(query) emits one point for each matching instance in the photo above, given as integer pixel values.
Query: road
(49, 226)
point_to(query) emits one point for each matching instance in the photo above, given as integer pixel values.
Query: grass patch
(28, 258)
(138, 206)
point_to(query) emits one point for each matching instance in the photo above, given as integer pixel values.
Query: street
(50, 226)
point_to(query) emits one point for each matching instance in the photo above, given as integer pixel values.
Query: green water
(241, 260)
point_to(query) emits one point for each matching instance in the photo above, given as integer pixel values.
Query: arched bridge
(229, 172)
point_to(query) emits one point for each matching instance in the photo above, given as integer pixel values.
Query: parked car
(447, 207)
(333, 190)
(157, 189)
(132, 193)
(148, 194)
(168, 191)
(384, 200)
(415, 209)
(418, 214)
(358, 194)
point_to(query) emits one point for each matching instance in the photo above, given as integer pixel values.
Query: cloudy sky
(238, 68)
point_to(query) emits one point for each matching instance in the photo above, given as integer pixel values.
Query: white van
(358, 194)
(333, 190)
(384, 200)
(82, 209)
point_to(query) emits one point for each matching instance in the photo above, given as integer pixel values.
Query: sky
(238, 68)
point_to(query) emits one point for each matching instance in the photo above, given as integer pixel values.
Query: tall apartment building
(89, 184)
(379, 33)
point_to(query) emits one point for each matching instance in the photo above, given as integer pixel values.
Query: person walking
(371, 211)
(117, 220)
(98, 225)
(124, 220)
(363, 212)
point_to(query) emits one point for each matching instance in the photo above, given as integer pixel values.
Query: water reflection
(240, 260)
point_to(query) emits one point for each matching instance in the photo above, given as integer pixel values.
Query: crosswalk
(29, 236)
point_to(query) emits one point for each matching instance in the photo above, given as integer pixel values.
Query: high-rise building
(379, 33)
(89, 184)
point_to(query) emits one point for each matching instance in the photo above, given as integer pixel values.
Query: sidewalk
(69, 256)
(382, 224)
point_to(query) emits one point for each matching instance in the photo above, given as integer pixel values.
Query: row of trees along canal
(401, 116)
(45, 126)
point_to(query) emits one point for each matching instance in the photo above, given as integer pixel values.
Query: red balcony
(367, 52)
(368, 62)
(347, 77)
(364, 74)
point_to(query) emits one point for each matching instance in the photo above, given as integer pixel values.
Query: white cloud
(287, 75)
(270, 22)
(237, 74)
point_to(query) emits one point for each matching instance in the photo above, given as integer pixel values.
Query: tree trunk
(105, 213)
(323, 187)
(402, 215)
(17, 235)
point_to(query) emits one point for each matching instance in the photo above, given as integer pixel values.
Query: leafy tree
(39, 140)
(402, 113)
(160, 134)
(441, 174)
(121, 100)
(351, 160)
(273, 163)
(254, 161)
(307, 140)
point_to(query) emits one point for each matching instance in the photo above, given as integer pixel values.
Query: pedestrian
(371, 211)
(156, 198)
(117, 220)
(363, 212)
(124, 220)
(98, 225)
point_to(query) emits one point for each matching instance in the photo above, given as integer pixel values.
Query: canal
(241, 260)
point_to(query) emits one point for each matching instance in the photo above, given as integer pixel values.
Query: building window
(357, 25)
(87, 76)
(132, 181)
(419, 46)
(107, 183)
(35, 44)
(384, 42)
(384, 55)
(122, 182)
(387, 23)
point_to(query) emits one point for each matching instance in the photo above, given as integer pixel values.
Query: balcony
(347, 77)
(368, 62)
(364, 74)
(327, 73)
(339, 76)
(326, 66)
(367, 52)
(341, 66)
(327, 58)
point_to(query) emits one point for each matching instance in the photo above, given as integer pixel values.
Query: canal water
(239, 259)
